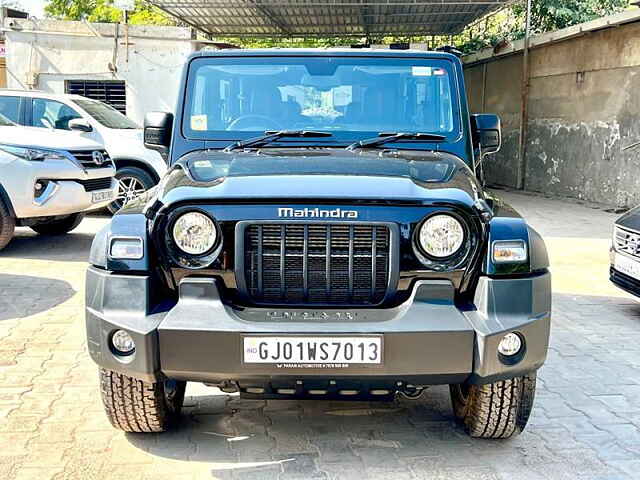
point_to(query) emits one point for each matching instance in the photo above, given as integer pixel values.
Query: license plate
(313, 350)
(627, 266)
(101, 196)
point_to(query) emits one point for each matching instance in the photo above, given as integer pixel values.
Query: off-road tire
(144, 178)
(495, 410)
(58, 227)
(7, 225)
(133, 405)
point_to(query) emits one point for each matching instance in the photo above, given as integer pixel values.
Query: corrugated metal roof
(326, 18)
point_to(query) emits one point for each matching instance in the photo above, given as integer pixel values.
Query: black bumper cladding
(625, 282)
(426, 340)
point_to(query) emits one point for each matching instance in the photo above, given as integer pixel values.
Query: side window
(10, 108)
(51, 114)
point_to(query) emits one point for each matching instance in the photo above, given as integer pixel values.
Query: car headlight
(441, 236)
(194, 233)
(33, 154)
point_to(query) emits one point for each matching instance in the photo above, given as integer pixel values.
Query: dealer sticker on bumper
(101, 196)
(313, 350)
(627, 265)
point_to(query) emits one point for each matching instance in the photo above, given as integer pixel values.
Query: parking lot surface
(585, 424)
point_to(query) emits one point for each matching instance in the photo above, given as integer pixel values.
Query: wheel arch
(4, 198)
(121, 162)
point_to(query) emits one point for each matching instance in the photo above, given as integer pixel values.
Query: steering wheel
(263, 123)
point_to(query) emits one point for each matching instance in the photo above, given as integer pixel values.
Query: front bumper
(427, 340)
(64, 194)
(625, 282)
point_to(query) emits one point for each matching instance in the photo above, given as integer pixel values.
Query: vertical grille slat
(316, 263)
(374, 259)
(305, 263)
(259, 261)
(350, 262)
(283, 250)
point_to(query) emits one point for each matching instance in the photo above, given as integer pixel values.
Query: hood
(45, 138)
(630, 220)
(320, 174)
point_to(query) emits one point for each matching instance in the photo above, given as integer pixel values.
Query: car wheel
(133, 405)
(495, 410)
(132, 182)
(58, 227)
(7, 225)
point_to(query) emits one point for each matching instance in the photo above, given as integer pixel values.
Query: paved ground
(585, 425)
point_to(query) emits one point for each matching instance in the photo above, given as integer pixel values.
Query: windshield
(334, 94)
(106, 114)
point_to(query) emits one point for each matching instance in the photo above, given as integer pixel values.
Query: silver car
(49, 179)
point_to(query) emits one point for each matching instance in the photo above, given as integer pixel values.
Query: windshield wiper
(387, 137)
(272, 136)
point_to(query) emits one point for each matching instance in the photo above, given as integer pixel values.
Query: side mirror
(80, 125)
(158, 127)
(487, 132)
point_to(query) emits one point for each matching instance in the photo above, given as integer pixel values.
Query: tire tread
(496, 410)
(133, 405)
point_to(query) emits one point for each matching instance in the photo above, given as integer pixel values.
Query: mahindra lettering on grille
(310, 263)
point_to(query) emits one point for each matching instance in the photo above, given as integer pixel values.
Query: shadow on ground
(72, 247)
(585, 422)
(22, 295)
(239, 438)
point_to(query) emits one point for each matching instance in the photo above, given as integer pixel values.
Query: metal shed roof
(300, 18)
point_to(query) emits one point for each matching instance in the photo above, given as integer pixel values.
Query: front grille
(85, 157)
(627, 241)
(345, 264)
(95, 184)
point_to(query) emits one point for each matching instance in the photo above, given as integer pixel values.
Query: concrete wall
(43, 54)
(584, 107)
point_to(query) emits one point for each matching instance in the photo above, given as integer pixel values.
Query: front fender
(121, 226)
(515, 228)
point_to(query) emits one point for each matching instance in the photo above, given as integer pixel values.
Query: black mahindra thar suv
(321, 233)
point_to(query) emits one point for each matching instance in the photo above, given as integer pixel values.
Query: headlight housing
(33, 154)
(441, 236)
(194, 233)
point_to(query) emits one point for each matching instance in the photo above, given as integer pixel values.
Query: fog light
(510, 345)
(122, 343)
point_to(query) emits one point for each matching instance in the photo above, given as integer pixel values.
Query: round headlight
(194, 233)
(441, 236)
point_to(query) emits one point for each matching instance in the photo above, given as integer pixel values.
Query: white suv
(48, 179)
(137, 168)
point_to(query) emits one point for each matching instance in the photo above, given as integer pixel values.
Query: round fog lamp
(510, 344)
(122, 343)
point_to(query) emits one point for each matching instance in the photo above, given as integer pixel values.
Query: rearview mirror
(157, 132)
(80, 125)
(487, 132)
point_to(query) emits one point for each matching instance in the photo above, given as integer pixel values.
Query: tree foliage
(104, 11)
(548, 15)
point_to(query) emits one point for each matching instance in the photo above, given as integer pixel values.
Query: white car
(48, 179)
(137, 168)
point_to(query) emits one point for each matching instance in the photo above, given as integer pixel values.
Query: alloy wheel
(129, 188)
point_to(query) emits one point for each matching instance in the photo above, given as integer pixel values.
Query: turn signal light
(509, 251)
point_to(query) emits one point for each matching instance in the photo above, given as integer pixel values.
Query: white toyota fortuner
(137, 168)
(48, 179)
